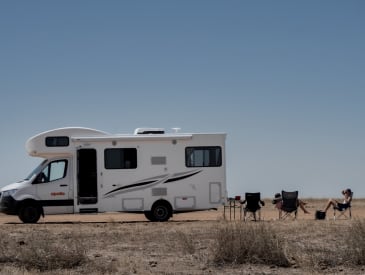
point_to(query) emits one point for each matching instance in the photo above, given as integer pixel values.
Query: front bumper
(8, 205)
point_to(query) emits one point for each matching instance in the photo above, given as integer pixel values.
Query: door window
(55, 170)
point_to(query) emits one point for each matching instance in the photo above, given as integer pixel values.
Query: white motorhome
(91, 171)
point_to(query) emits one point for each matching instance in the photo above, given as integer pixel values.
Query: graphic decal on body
(149, 182)
(181, 176)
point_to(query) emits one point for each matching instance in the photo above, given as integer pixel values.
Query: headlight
(8, 193)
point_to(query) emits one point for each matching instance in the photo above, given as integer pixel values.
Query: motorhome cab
(90, 171)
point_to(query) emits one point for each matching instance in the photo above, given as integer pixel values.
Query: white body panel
(154, 167)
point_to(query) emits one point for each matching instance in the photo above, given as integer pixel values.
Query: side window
(120, 158)
(203, 156)
(53, 171)
(57, 141)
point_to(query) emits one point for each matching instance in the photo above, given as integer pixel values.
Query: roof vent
(146, 131)
(176, 129)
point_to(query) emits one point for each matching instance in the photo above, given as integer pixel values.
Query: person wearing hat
(347, 193)
(278, 201)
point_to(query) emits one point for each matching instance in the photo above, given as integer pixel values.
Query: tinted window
(203, 156)
(57, 141)
(120, 158)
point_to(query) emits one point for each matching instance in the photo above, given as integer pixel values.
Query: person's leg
(330, 203)
(301, 205)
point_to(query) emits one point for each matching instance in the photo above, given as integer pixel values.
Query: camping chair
(289, 207)
(252, 201)
(342, 213)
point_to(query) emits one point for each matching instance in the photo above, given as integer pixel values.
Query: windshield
(36, 170)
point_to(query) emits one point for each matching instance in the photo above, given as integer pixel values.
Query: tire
(29, 213)
(161, 212)
(149, 216)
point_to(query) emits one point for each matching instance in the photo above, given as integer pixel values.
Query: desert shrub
(240, 243)
(355, 253)
(330, 245)
(43, 252)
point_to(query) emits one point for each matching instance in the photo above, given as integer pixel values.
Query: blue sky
(284, 79)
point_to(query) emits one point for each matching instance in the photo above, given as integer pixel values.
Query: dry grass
(39, 251)
(241, 243)
(356, 243)
(199, 246)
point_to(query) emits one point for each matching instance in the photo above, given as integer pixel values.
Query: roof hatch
(146, 131)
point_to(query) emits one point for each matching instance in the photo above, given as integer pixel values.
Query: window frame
(134, 160)
(189, 152)
(48, 173)
(57, 141)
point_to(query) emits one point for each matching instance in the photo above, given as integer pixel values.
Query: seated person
(347, 193)
(279, 202)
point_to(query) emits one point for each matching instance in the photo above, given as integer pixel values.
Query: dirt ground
(268, 213)
(122, 243)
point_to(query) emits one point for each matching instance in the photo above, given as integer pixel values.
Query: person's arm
(348, 198)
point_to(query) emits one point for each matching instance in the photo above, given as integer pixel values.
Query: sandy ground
(268, 213)
(124, 243)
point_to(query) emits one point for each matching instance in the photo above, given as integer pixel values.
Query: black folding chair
(289, 206)
(343, 213)
(251, 205)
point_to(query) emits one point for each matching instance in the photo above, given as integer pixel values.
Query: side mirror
(41, 178)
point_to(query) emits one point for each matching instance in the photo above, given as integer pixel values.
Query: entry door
(87, 176)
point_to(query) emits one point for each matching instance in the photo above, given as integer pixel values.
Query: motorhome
(149, 171)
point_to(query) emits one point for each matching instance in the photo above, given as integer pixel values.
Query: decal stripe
(155, 180)
(130, 186)
(182, 177)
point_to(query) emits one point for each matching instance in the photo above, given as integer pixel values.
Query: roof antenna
(176, 129)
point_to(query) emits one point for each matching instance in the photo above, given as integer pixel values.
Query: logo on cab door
(57, 194)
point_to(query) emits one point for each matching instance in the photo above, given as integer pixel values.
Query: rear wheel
(161, 211)
(149, 216)
(29, 213)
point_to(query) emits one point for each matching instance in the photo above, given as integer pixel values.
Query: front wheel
(29, 214)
